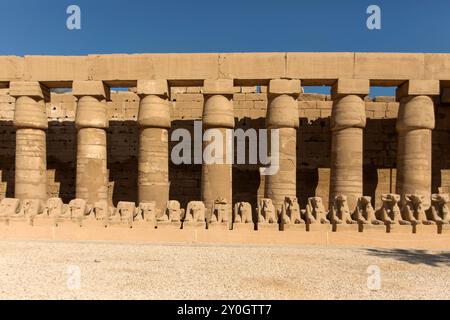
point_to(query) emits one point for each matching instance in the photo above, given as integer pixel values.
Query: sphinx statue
(389, 212)
(315, 211)
(220, 210)
(438, 211)
(173, 211)
(31, 208)
(9, 207)
(364, 212)
(292, 209)
(195, 212)
(243, 212)
(266, 211)
(101, 210)
(146, 212)
(77, 209)
(126, 212)
(340, 212)
(413, 211)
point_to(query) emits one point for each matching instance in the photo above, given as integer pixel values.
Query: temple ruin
(86, 142)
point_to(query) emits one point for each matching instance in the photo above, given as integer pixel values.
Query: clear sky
(137, 26)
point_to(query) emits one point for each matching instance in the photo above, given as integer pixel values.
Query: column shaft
(415, 122)
(346, 173)
(153, 159)
(282, 115)
(30, 119)
(92, 173)
(216, 177)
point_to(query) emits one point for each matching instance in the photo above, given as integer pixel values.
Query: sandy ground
(95, 270)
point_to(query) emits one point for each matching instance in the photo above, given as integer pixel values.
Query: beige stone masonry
(417, 88)
(96, 89)
(350, 86)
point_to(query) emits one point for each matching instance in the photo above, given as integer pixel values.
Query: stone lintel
(96, 89)
(32, 89)
(418, 88)
(218, 86)
(351, 87)
(285, 86)
(152, 87)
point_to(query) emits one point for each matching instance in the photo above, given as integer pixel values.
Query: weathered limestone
(154, 122)
(340, 211)
(266, 211)
(282, 115)
(389, 212)
(364, 212)
(415, 122)
(242, 213)
(30, 120)
(348, 120)
(218, 117)
(91, 121)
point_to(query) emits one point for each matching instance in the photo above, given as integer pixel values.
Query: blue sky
(136, 26)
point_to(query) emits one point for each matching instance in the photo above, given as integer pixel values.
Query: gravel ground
(48, 270)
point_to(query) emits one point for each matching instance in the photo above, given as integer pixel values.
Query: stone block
(11, 68)
(320, 65)
(437, 66)
(219, 86)
(91, 88)
(62, 69)
(389, 66)
(252, 65)
(351, 86)
(284, 86)
(418, 87)
(156, 87)
(29, 88)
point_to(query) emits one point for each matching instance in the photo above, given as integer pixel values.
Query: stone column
(348, 119)
(217, 114)
(91, 121)
(30, 120)
(415, 122)
(154, 122)
(282, 114)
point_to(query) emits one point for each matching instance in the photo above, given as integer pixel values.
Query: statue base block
(399, 228)
(372, 228)
(444, 229)
(243, 227)
(425, 228)
(291, 227)
(345, 227)
(268, 227)
(319, 227)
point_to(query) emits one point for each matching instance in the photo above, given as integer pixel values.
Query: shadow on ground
(434, 259)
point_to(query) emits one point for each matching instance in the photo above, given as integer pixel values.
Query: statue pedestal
(372, 228)
(321, 227)
(345, 227)
(425, 228)
(243, 226)
(399, 228)
(291, 227)
(444, 229)
(268, 227)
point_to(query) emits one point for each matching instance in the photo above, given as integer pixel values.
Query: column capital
(284, 86)
(343, 87)
(418, 88)
(32, 89)
(218, 86)
(96, 89)
(152, 87)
